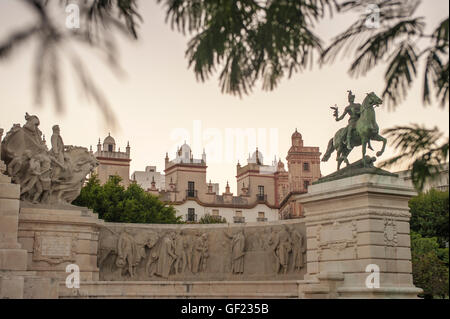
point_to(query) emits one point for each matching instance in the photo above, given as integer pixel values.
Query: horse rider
(354, 111)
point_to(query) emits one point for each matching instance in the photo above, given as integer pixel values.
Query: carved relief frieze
(179, 253)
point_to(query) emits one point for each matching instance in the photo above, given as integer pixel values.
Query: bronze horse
(366, 130)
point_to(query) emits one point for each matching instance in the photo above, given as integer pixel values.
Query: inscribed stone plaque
(54, 247)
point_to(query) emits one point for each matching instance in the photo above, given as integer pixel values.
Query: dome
(109, 144)
(109, 140)
(257, 158)
(296, 134)
(184, 151)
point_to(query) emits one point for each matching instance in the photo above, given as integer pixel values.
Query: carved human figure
(44, 177)
(282, 249)
(17, 167)
(166, 256)
(153, 258)
(237, 251)
(180, 252)
(205, 255)
(32, 130)
(57, 149)
(298, 248)
(127, 253)
(272, 241)
(31, 186)
(200, 253)
(188, 248)
(354, 112)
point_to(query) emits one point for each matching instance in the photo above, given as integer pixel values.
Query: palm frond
(15, 39)
(98, 20)
(421, 149)
(400, 73)
(248, 40)
(394, 40)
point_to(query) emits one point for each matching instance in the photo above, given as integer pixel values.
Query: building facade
(112, 162)
(149, 176)
(264, 191)
(303, 170)
(193, 197)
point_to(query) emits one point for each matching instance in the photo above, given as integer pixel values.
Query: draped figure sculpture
(45, 177)
(237, 251)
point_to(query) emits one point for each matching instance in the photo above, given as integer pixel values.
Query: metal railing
(239, 219)
(191, 193)
(191, 217)
(261, 197)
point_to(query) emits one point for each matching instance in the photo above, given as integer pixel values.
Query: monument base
(178, 289)
(16, 282)
(56, 237)
(358, 227)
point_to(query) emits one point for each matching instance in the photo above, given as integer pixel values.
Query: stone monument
(40, 232)
(357, 219)
(353, 242)
(45, 177)
(361, 130)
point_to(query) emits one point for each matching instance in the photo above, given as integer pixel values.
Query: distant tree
(429, 242)
(430, 266)
(430, 215)
(210, 219)
(113, 203)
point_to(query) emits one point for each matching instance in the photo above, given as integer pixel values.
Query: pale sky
(159, 96)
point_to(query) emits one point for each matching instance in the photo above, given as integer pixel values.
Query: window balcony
(261, 219)
(239, 219)
(190, 193)
(261, 197)
(191, 217)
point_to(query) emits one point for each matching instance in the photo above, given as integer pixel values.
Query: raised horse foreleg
(380, 138)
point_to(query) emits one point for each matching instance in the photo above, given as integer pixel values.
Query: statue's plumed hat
(350, 94)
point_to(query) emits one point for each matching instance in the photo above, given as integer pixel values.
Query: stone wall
(349, 223)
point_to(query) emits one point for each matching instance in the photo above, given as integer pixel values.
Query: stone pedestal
(13, 258)
(355, 222)
(55, 237)
(16, 281)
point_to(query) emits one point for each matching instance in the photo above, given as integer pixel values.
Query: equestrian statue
(361, 129)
